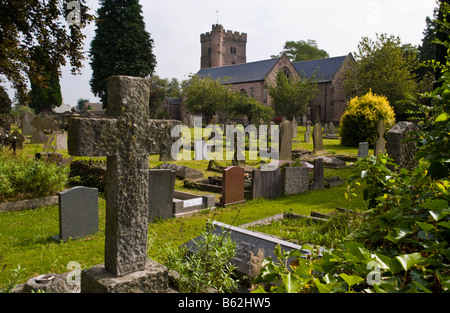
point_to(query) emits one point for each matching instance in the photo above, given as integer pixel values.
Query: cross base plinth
(153, 279)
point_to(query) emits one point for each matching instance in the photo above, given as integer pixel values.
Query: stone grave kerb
(123, 138)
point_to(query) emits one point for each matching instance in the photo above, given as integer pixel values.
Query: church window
(286, 72)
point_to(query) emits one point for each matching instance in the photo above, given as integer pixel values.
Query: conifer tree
(121, 45)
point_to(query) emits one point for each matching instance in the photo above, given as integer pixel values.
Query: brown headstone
(232, 186)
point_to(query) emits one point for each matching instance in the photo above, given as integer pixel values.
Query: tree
(5, 101)
(121, 45)
(205, 96)
(386, 68)
(303, 50)
(244, 105)
(27, 23)
(46, 92)
(442, 30)
(290, 96)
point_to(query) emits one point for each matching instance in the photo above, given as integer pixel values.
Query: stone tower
(221, 48)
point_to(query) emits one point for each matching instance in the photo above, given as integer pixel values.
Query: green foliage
(25, 23)
(303, 50)
(359, 121)
(290, 96)
(399, 245)
(5, 101)
(23, 177)
(205, 96)
(244, 105)
(386, 68)
(208, 267)
(113, 51)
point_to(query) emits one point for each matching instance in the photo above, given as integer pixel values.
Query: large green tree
(303, 50)
(290, 96)
(5, 101)
(27, 23)
(386, 68)
(121, 45)
(241, 104)
(45, 93)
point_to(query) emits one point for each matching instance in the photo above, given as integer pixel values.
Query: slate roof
(257, 71)
(241, 73)
(326, 68)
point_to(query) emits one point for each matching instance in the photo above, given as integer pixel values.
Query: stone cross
(126, 137)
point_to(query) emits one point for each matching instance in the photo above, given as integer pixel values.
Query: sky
(336, 26)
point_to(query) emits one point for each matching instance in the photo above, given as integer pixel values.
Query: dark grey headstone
(161, 187)
(403, 152)
(319, 180)
(78, 213)
(363, 150)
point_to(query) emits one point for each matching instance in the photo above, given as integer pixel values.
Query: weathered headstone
(380, 144)
(266, 184)
(285, 141)
(294, 180)
(78, 213)
(27, 128)
(363, 150)
(319, 179)
(307, 136)
(294, 128)
(39, 135)
(232, 186)
(19, 138)
(318, 138)
(200, 152)
(326, 129)
(60, 139)
(182, 172)
(331, 128)
(401, 151)
(127, 137)
(161, 187)
(308, 126)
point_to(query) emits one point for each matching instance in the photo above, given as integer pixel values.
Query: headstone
(232, 186)
(319, 180)
(402, 152)
(326, 129)
(308, 126)
(61, 139)
(161, 187)
(182, 172)
(27, 128)
(78, 213)
(39, 135)
(266, 184)
(248, 243)
(294, 128)
(19, 137)
(318, 138)
(307, 136)
(363, 150)
(126, 137)
(285, 143)
(294, 180)
(304, 120)
(331, 128)
(380, 144)
(186, 204)
(200, 152)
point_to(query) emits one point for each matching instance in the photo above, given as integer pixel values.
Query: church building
(223, 55)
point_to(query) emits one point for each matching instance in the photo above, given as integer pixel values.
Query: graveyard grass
(27, 249)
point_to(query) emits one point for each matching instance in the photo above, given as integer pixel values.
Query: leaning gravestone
(78, 213)
(285, 142)
(403, 152)
(294, 128)
(161, 188)
(126, 137)
(318, 138)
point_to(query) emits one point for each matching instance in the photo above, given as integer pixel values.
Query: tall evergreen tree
(121, 45)
(5, 101)
(442, 31)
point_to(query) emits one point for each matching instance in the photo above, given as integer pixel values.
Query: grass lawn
(25, 236)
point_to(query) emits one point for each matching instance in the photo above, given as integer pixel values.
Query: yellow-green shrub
(359, 121)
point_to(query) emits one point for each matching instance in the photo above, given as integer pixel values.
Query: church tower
(221, 48)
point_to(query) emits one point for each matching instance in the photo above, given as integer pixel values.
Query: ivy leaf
(387, 263)
(438, 208)
(408, 260)
(351, 280)
(426, 227)
(290, 282)
(442, 118)
(321, 287)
